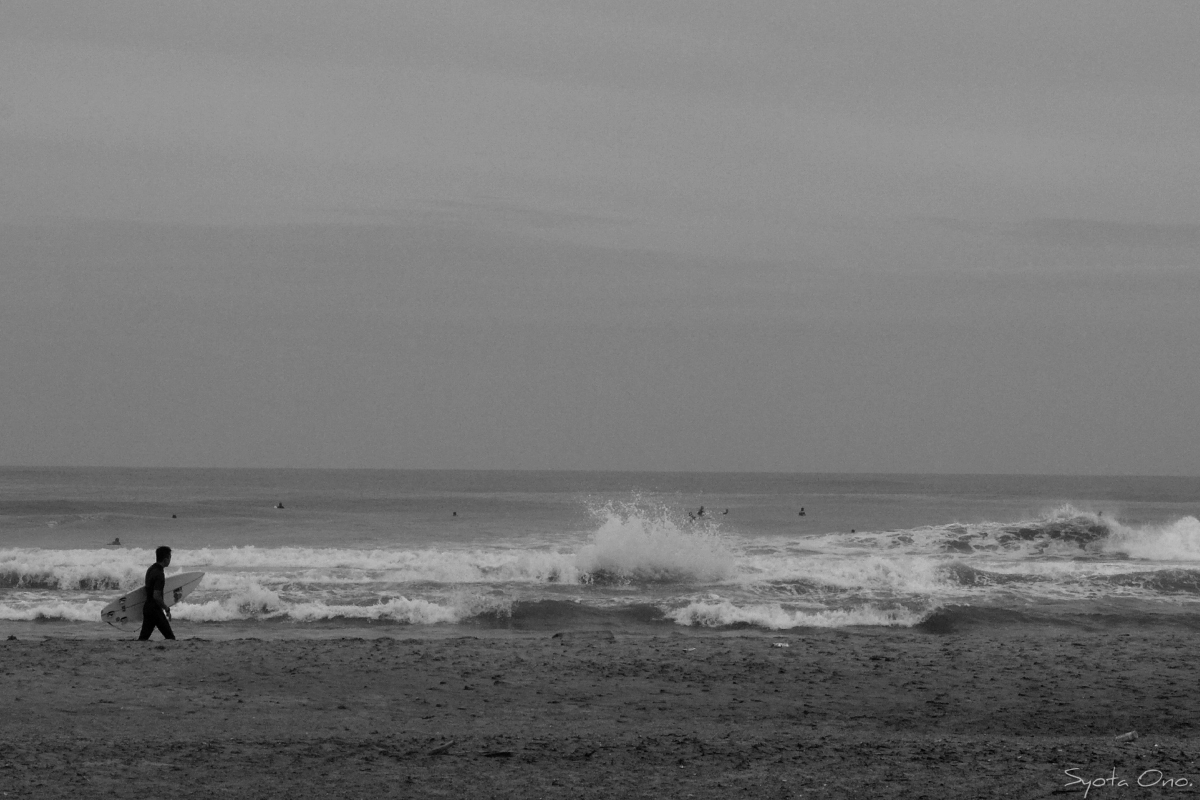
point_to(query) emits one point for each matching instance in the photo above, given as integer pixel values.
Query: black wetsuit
(153, 615)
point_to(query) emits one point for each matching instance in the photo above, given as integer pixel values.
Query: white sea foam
(256, 603)
(876, 573)
(261, 604)
(714, 614)
(72, 569)
(1174, 541)
(43, 608)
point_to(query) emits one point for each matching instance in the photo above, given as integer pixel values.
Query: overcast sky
(832, 236)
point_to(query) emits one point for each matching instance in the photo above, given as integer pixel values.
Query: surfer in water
(155, 613)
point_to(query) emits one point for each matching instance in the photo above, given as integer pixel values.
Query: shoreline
(880, 712)
(956, 619)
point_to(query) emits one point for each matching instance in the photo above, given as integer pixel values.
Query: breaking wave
(633, 545)
(724, 613)
(644, 564)
(1174, 541)
(1063, 531)
(38, 609)
(265, 605)
(630, 545)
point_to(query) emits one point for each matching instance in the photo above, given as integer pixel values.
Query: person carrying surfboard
(156, 614)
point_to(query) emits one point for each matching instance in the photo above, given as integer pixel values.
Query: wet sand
(851, 713)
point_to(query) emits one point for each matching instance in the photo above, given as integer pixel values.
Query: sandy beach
(850, 713)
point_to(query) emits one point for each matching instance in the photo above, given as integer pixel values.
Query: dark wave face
(965, 575)
(1164, 582)
(1081, 531)
(17, 579)
(952, 619)
(1063, 531)
(961, 618)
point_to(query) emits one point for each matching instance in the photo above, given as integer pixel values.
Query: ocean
(299, 553)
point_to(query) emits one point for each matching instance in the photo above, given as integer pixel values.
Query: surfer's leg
(164, 625)
(147, 627)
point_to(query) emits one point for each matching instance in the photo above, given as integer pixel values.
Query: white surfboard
(128, 609)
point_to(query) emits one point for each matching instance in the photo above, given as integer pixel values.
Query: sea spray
(638, 544)
(1174, 541)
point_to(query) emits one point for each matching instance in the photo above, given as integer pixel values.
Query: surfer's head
(163, 555)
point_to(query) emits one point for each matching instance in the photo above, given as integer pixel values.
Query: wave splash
(1174, 541)
(636, 544)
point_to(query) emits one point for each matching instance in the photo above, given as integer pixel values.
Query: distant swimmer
(701, 512)
(802, 512)
(173, 516)
(454, 513)
(726, 511)
(853, 531)
(279, 505)
(115, 542)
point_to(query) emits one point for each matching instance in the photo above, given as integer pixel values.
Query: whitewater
(513, 551)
